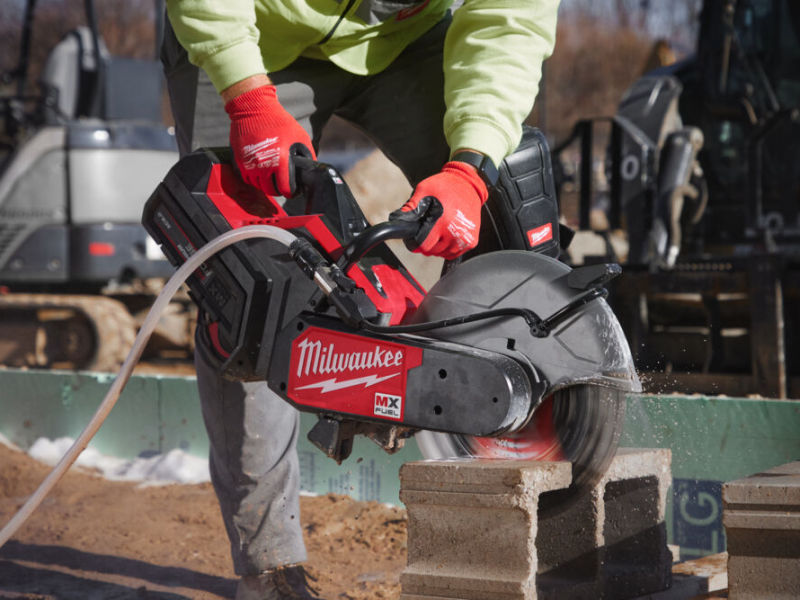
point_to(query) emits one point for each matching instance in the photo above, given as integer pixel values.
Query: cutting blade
(585, 363)
(580, 424)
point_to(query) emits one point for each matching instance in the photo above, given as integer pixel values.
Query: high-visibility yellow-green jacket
(492, 58)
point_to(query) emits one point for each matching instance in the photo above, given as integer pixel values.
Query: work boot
(283, 583)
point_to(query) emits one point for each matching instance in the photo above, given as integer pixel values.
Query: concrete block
(613, 542)
(472, 527)
(761, 515)
(475, 533)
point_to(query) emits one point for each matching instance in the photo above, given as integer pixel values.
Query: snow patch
(176, 466)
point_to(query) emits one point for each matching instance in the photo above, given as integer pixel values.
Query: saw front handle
(377, 234)
(308, 175)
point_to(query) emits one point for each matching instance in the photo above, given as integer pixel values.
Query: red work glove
(263, 135)
(448, 206)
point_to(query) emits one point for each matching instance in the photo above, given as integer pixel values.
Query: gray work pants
(252, 432)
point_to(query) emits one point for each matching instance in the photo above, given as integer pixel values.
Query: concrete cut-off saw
(512, 354)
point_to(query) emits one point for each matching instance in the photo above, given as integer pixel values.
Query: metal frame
(770, 368)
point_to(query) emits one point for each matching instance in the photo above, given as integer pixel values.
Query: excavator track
(64, 331)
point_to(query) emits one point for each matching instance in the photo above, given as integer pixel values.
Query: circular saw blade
(537, 440)
(580, 423)
(585, 360)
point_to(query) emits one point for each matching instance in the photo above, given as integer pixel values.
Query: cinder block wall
(475, 531)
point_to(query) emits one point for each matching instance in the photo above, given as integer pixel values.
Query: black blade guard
(585, 361)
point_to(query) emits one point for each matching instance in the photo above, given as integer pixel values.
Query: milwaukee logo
(346, 373)
(540, 235)
(387, 405)
(316, 359)
(331, 385)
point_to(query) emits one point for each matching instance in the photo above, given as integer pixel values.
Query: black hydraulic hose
(728, 13)
(533, 321)
(539, 327)
(565, 312)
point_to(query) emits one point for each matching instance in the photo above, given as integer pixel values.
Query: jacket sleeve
(220, 36)
(493, 58)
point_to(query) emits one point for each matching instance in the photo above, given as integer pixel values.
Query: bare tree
(127, 27)
(603, 46)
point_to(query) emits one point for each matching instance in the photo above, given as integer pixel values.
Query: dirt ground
(99, 539)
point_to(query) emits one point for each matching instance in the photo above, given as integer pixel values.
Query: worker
(442, 94)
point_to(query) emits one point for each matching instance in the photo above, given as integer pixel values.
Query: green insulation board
(712, 439)
(160, 413)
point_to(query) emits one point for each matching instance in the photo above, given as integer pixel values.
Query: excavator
(78, 159)
(703, 181)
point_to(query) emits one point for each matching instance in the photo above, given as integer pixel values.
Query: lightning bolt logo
(331, 385)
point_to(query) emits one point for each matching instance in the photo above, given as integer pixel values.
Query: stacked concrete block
(474, 530)
(612, 543)
(761, 515)
(472, 527)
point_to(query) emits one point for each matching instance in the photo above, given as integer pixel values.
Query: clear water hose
(192, 263)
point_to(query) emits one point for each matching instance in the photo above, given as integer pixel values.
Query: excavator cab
(79, 160)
